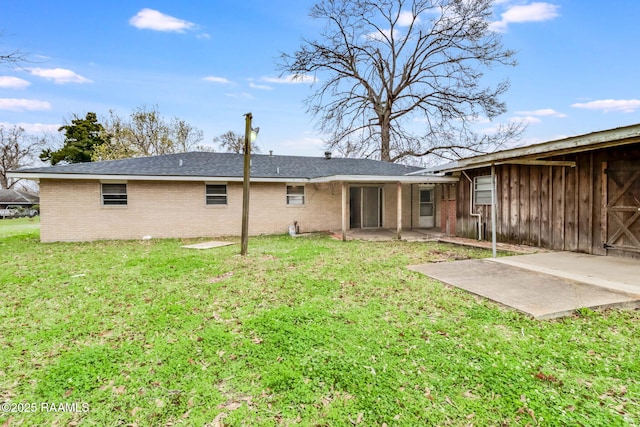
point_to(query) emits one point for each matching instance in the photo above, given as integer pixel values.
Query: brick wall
(71, 210)
(390, 206)
(448, 209)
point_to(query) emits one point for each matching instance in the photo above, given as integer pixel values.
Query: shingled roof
(17, 197)
(222, 165)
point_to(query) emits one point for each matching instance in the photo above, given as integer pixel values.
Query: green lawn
(17, 226)
(306, 331)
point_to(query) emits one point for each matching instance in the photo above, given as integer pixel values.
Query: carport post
(344, 211)
(493, 210)
(399, 212)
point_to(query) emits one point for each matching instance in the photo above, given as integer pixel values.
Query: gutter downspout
(477, 215)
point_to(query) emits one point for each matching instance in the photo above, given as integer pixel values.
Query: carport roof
(541, 153)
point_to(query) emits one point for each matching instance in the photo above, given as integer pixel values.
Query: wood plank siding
(561, 207)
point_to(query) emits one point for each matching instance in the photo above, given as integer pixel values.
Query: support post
(493, 211)
(344, 211)
(244, 238)
(399, 213)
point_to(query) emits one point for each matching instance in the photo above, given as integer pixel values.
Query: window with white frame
(216, 194)
(482, 190)
(295, 194)
(114, 194)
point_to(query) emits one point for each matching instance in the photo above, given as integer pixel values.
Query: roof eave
(404, 179)
(76, 176)
(588, 142)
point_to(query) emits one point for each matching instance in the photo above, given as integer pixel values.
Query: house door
(427, 217)
(621, 214)
(365, 207)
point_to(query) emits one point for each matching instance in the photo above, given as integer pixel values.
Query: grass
(310, 332)
(17, 226)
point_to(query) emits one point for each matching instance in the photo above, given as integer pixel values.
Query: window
(295, 194)
(426, 202)
(216, 194)
(114, 194)
(482, 190)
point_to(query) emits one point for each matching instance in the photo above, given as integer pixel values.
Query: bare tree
(403, 78)
(233, 142)
(12, 56)
(146, 133)
(185, 137)
(17, 149)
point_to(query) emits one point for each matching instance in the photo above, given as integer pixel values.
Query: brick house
(199, 194)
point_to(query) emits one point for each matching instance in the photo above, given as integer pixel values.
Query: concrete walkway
(208, 245)
(545, 285)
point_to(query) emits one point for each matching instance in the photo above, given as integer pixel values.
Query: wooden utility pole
(244, 239)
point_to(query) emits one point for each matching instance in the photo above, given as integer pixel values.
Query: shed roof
(541, 153)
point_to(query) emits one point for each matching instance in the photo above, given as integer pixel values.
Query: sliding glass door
(365, 207)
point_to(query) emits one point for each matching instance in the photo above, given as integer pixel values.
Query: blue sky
(209, 62)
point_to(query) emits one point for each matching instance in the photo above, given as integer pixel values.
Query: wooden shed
(577, 194)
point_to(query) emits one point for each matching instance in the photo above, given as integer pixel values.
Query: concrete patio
(540, 283)
(545, 285)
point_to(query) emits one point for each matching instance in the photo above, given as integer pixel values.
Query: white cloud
(383, 35)
(243, 95)
(534, 12)
(479, 119)
(291, 79)
(532, 117)
(12, 104)
(59, 75)
(204, 36)
(611, 105)
(529, 120)
(215, 79)
(305, 146)
(149, 19)
(8, 82)
(33, 127)
(261, 87)
(406, 18)
(545, 112)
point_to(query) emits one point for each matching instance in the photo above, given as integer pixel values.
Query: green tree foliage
(81, 138)
(146, 133)
(232, 142)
